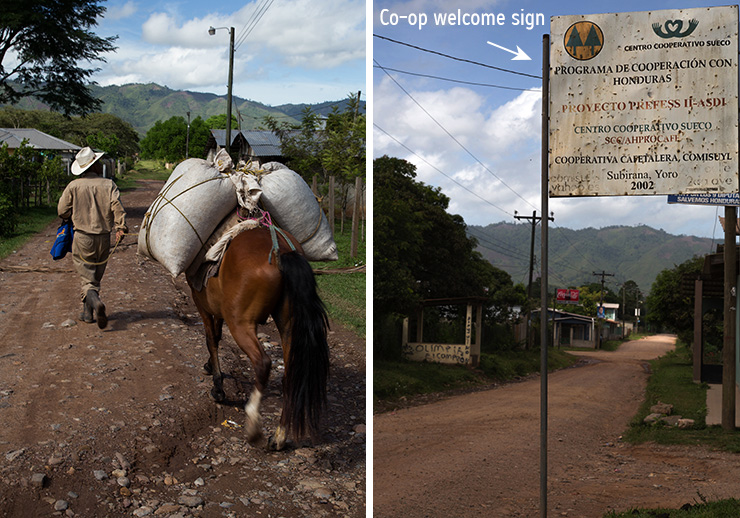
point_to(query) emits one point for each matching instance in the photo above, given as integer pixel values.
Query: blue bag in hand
(63, 242)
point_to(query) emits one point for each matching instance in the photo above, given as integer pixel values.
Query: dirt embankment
(120, 422)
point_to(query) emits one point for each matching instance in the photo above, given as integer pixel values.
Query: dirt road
(478, 454)
(120, 422)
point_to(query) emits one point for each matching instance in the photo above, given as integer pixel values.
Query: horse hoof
(254, 437)
(207, 367)
(274, 445)
(218, 395)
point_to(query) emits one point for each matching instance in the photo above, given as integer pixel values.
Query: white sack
(293, 206)
(191, 204)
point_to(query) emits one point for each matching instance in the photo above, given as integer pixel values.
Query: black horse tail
(307, 371)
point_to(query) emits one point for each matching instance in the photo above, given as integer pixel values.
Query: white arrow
(518, 55)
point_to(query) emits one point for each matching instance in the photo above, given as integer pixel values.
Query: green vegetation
(672, 382)
(30, 222)
(670, 307)
(344, 293)
(143, 170)
(423, 252)
(168, 140)
(45, 44)
(98, 130)
(637, 253)
(719, 509)
(394, 380)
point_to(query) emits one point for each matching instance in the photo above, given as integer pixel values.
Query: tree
(101, 127)
(343, 153)
(421, 251)
(166, 140)
(668, 306)
(219, 122)
(301, 145)
(50, 39)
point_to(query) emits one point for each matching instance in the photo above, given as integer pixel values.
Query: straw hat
(84, 159)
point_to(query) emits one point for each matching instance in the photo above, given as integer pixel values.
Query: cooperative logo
(583, 40)
(672, 29)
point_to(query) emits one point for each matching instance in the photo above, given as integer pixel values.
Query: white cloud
(119, 12)
(313, 34)
(505, 140)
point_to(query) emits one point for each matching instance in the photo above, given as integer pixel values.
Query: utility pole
(534, 219)
(603, 275)
(187, 139)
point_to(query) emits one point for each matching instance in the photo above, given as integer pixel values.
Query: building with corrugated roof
(49, 145)
(252, 145)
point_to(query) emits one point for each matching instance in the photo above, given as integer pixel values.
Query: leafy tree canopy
(42, 43)
(99, 130)
(336, 150)
(421, 251)
(668, 307)
(219, 122)
(166, 140)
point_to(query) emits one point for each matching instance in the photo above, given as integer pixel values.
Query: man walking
(94, 204)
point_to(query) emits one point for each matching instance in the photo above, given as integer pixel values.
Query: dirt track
(478, 454)
(120, 422)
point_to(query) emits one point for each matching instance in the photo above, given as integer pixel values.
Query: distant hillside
(142, 105)
(631, 253)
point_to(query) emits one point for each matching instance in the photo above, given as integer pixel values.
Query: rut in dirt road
(478, 454)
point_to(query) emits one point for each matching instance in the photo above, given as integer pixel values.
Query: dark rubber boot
(87, 314)
(97, 305)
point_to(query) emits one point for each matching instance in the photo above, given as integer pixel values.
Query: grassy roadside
(719, 509)
(672, 382)
(344, 293)
(394, 381)
(33, 220)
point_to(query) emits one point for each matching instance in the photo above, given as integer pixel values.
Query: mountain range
(141, 105)
(629, 253)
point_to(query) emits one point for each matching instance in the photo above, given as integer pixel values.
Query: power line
(456, 58)
(257, 15)
(453, 137)
(438, 170)
(456, 80)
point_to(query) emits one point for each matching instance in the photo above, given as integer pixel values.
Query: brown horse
(256, 280)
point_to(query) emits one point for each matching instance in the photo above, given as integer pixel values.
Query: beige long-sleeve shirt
(94, 203)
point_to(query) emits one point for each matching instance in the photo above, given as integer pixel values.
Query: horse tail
(307, 371)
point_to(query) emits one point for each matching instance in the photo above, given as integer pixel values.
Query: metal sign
(726, 199)
(644, 103)
(565, 296)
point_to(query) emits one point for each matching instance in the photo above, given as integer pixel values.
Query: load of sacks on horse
(243, 237)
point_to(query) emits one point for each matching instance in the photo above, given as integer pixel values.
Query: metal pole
(543, 275)
(187, 139)
(228, 95)
(728, 344)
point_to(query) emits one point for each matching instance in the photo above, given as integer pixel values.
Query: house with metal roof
(251, 145)
(51, 146)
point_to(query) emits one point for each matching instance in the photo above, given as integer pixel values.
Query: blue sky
(302, 51)
(499, 127)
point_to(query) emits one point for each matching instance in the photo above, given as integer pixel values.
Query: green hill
(630, 253)
(142, 105)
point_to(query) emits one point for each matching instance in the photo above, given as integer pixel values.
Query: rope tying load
(200, 195)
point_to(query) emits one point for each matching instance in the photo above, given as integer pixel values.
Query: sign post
(642, 103)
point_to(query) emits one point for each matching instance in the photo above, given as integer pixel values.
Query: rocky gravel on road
(120, 422)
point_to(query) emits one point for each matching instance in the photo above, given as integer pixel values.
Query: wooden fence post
(356, 217)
